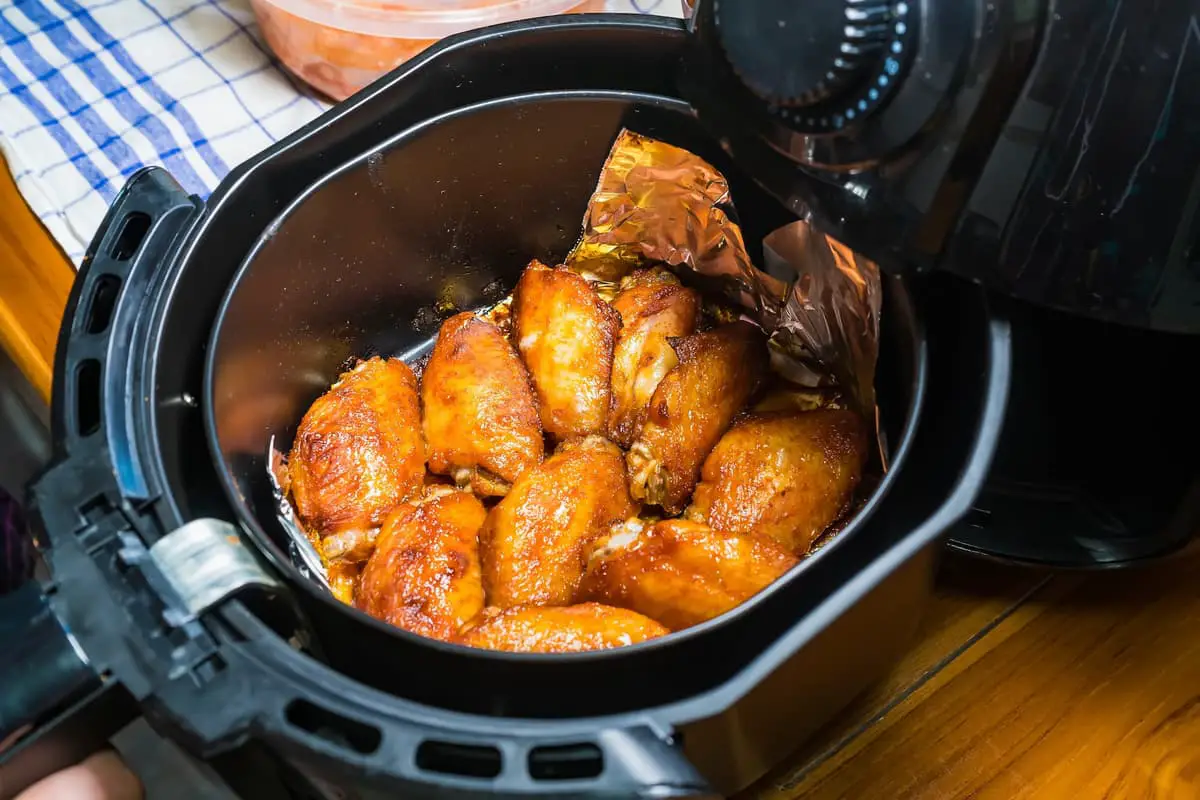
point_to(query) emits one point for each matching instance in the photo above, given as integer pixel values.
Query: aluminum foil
(301, 551)
(818, 301)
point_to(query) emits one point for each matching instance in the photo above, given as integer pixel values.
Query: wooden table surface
(35, 278)
(1021, 684)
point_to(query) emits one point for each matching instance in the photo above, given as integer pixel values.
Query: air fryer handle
(94, 359)
(429, 748)
(54, 709)
(41, 668)
(634, 762)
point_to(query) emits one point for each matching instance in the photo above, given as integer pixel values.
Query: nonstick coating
(453, 208)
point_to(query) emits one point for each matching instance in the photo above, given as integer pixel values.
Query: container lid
(420, 19)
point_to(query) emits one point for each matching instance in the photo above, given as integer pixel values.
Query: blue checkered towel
(92, 90)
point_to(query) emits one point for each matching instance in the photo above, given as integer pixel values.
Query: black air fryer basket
(196, 331)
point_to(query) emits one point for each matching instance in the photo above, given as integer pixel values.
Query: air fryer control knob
(815, 59)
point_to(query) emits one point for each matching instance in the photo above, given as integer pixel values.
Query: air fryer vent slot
(104, 300)
(341, 731)
(565, 762)
(134, 228)
(87, 397)
(464, 760)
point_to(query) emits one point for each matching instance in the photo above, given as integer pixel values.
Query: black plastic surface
(835, 47)
(1089, 201)
(898, 102)
(40, 667)
(1095, 466)
(1044, 148)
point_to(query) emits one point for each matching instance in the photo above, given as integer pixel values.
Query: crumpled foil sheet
(659, 204)
(301, 551)
(818, 300)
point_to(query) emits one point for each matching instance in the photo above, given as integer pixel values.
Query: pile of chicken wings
(590, 470)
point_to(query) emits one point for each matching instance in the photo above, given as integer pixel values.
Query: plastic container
(340, 46)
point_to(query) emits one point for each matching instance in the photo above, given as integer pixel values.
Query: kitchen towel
(93, 90)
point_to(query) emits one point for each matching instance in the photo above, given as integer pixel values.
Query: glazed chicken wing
(566, 333)
(342, 577)
(692, 407)
(682, 573)
(358, 453)
(480, 420)
(787, 475)
(424, 574)
(536, 540)
(654, 308)
(561, 629)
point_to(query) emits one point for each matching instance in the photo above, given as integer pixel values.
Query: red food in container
(340, 46)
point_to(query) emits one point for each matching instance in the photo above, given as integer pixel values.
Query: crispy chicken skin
(566, 333)
(358, 453)
(424, 574)
(560, 629)
(682, 573)
(787, 475)
(654, 308)
(481, 423)
(343, 580)
(692, 407)
(535, 543)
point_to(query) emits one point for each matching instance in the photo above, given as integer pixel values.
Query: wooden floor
(1020, 684)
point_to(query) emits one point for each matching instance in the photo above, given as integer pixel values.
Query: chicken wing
(561, 629)
(682, 573)
(566, 333)
(717, 373)
(424, 574)
(654, 308)
(480, 420)
(535, 543)
(787, 475)
(358, 453)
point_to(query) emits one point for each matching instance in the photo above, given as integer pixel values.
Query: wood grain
(971, 598)
(35, 279)
(1089, 690)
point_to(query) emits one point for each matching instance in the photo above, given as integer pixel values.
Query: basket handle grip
(54, 709)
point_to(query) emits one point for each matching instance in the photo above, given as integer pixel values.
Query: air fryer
(196, 331)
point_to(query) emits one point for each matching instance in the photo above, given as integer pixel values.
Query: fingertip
(102, 776)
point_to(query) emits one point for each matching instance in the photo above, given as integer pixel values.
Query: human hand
(102, 776)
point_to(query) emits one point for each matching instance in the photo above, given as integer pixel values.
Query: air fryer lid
(451, 209)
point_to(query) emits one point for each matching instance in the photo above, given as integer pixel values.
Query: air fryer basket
(379, 711)
(356, 266)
